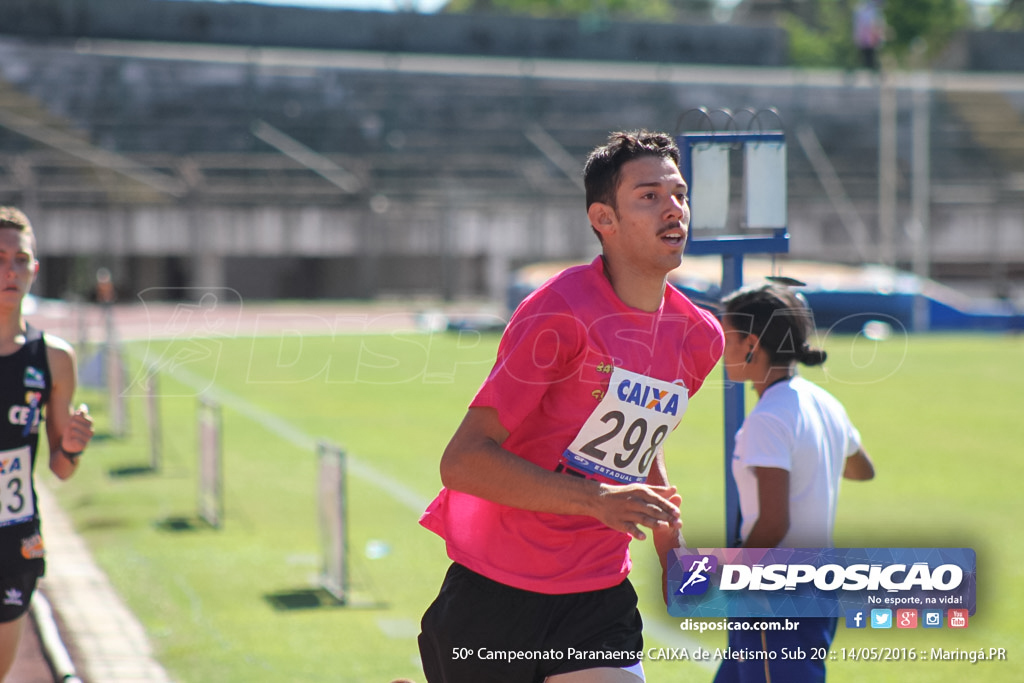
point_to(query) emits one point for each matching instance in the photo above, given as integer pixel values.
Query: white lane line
(292, 434)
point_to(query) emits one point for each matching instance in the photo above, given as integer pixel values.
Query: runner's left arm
(67, 431)
(666, 537)
(859, 466)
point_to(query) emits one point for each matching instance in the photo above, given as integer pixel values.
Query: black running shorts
(16, 594)
(483, 631)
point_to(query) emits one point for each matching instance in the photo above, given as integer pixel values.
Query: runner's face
(18, 266)
(652, 213)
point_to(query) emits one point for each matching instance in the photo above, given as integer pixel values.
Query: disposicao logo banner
(817, 582)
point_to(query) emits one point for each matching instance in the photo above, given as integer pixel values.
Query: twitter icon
(881, 618)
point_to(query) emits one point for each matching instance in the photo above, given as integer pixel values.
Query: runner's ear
(602, 217)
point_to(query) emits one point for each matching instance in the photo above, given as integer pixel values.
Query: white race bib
(16, 501)
(627, 429)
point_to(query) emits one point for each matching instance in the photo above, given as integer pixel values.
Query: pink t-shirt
(552, 371)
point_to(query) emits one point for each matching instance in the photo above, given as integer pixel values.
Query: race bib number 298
(623, 435)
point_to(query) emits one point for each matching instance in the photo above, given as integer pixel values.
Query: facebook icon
(856, 618)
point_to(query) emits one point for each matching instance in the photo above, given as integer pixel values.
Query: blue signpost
(769, 239)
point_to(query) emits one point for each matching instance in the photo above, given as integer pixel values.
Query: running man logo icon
(698, 567)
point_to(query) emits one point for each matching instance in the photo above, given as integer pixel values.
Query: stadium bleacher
(156, 127)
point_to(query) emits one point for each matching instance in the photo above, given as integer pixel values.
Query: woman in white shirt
(791, 453)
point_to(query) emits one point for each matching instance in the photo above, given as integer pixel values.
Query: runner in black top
(37, 382)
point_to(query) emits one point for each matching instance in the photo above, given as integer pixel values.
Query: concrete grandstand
(312, 153)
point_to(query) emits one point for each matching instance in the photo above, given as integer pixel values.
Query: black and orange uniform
(25, 384)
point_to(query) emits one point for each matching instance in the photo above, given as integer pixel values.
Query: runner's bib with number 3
(621, 437)
(16, 501)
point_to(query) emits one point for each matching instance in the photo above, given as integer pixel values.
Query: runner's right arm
(475, 463)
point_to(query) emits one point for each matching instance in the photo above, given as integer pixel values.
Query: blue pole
(735, 411)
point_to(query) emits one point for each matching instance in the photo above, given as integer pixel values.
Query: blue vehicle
(843, 298)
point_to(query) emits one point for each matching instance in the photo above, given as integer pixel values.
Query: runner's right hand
(626, 508)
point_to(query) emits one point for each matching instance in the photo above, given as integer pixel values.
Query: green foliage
(826, 43)
(562, 9)
(922, 26)
(1011, 16)
(917, 31)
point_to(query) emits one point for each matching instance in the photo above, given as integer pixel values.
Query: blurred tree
(1010, 17)
(822, 33)
(822, 37)
(639, 10)
(561, 9)
(921, 28)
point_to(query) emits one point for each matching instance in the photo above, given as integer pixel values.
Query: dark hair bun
(813, 356)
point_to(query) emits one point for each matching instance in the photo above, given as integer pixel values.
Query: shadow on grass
(318, 598)
(131, 471)
(180, 524)
(99, 437)
(101, 523)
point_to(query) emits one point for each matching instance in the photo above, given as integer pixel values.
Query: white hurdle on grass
(152, 394)
(332, 486)
(211, 472)
(115, 376)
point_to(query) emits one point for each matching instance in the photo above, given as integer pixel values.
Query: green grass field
(939, 414)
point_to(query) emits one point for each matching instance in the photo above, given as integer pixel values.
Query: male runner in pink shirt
(559, 460)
